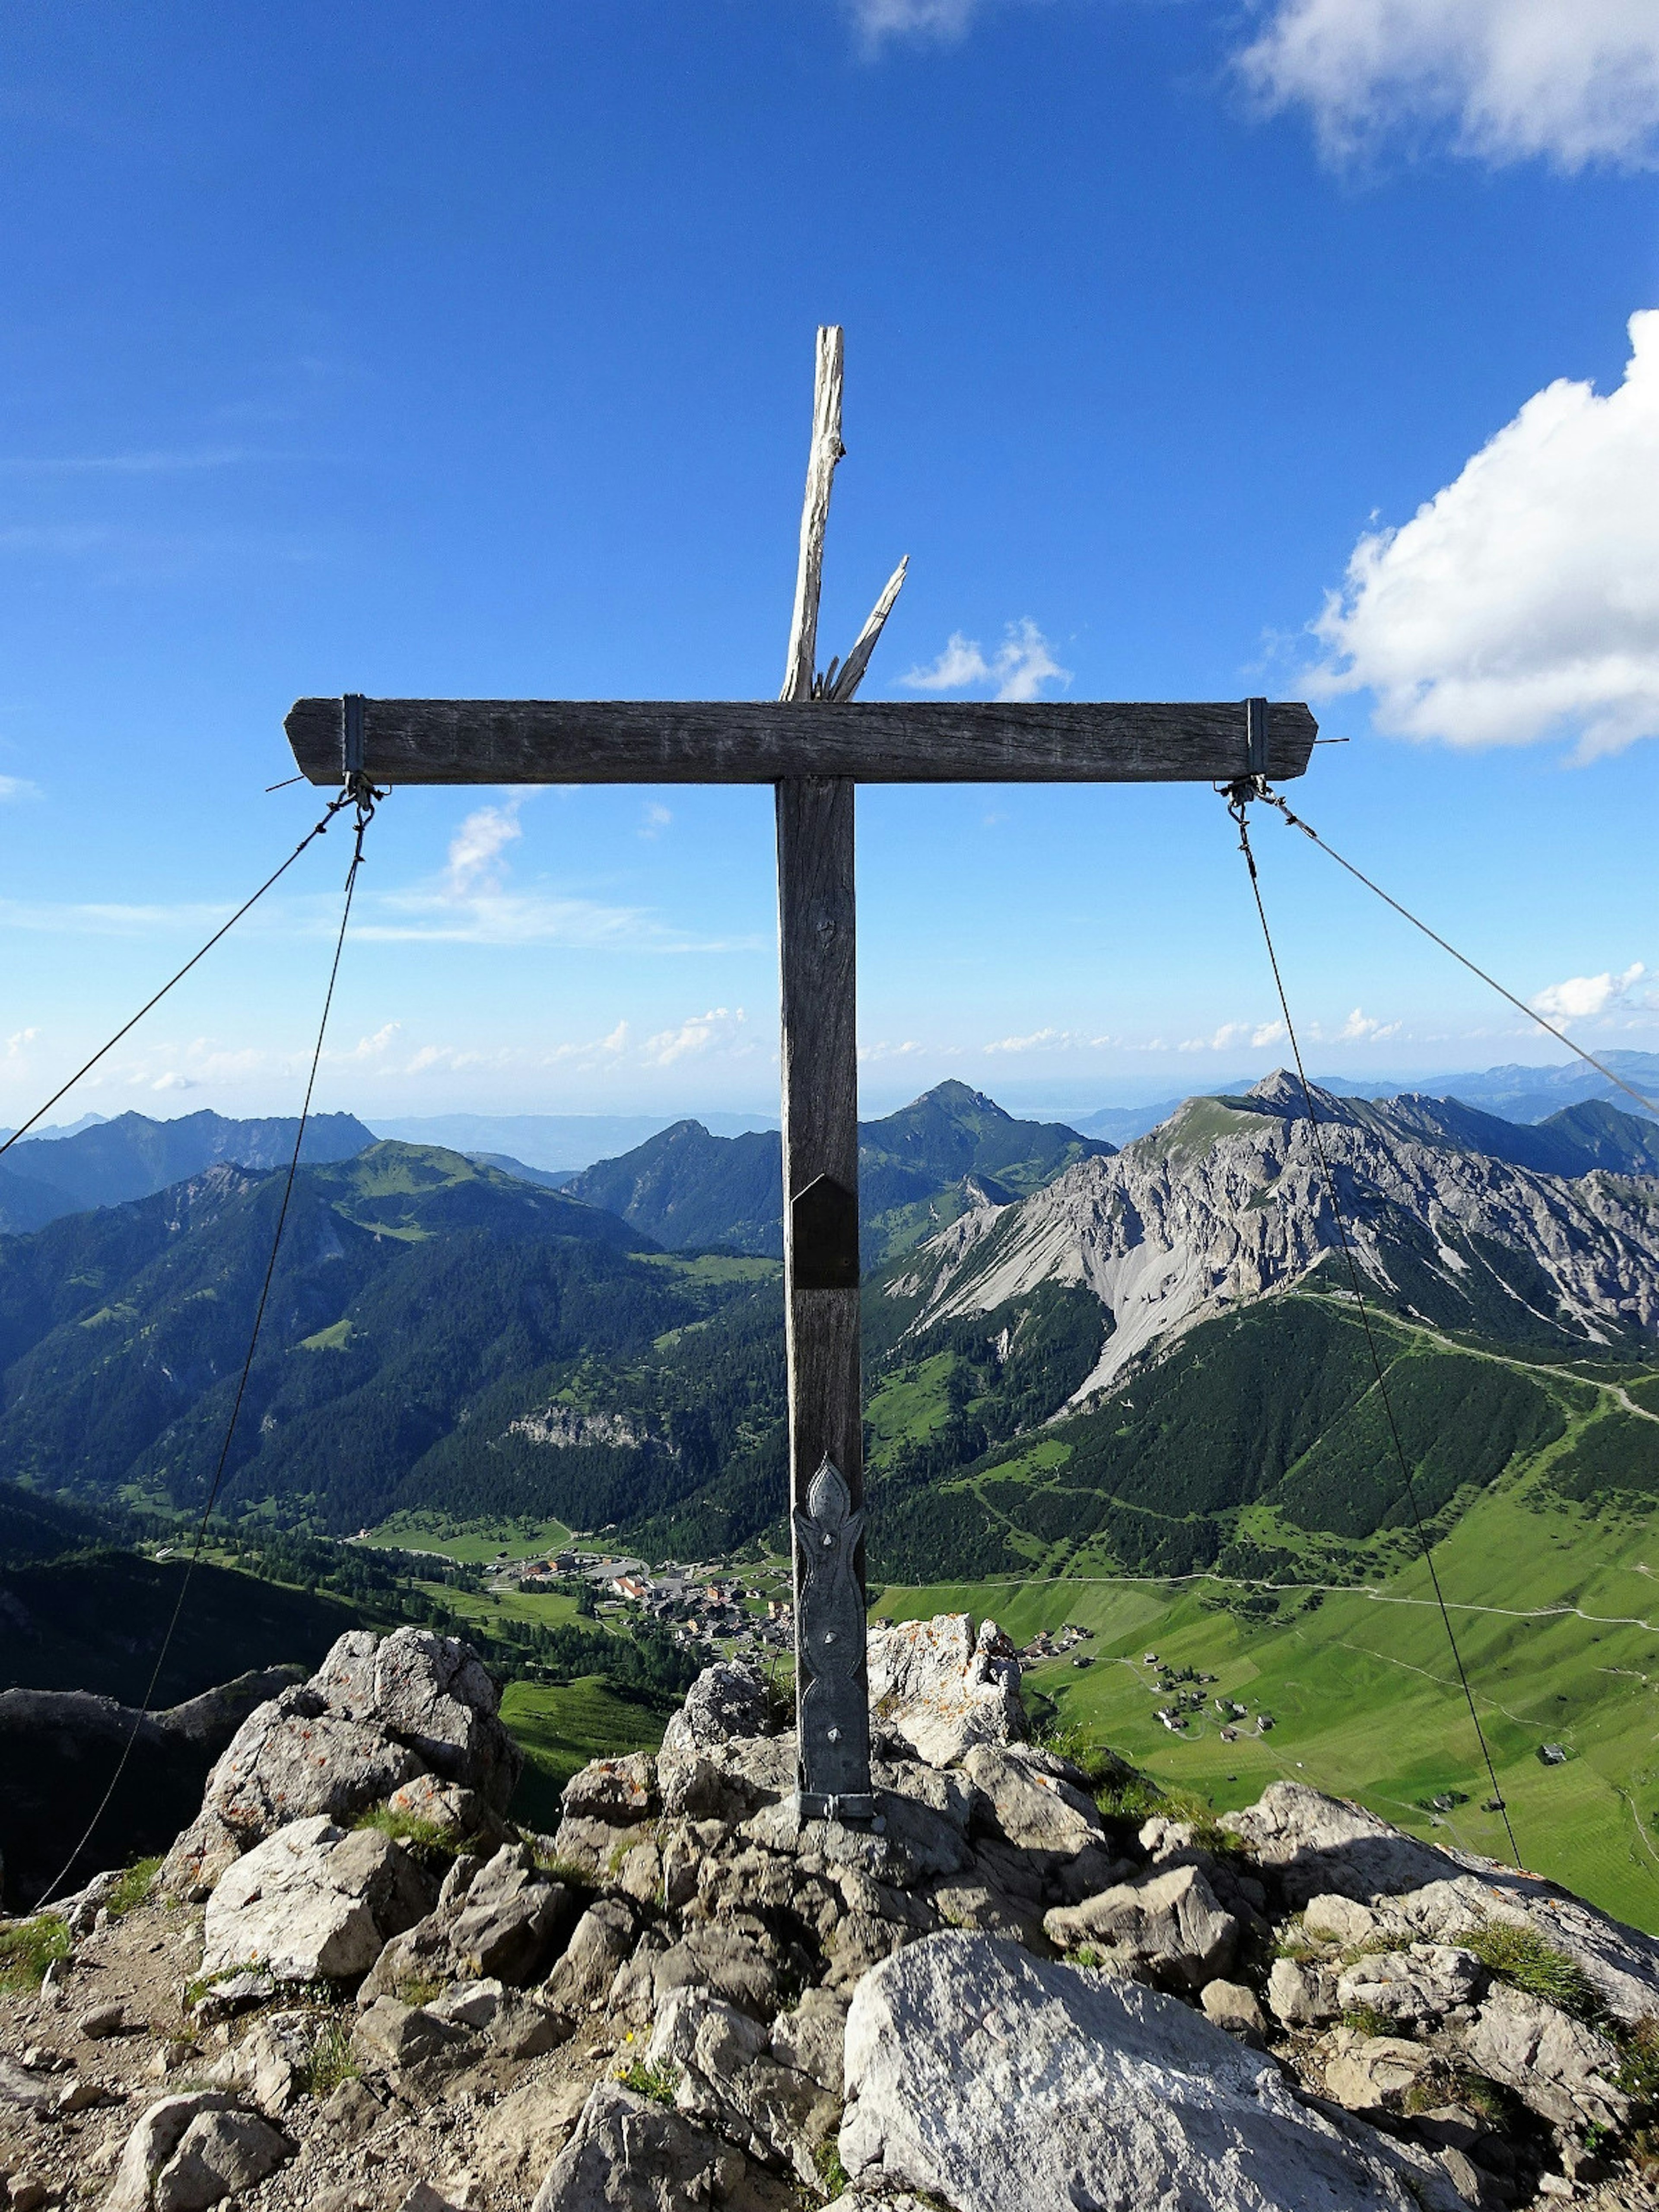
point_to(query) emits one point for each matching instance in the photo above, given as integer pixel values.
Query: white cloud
(14, 787)
(19, 1041)
(475, 851)
(1021, 665)
(1580, 997)
(870, 1052)
(1523, 600)
(1235, 1034)
(716, 1030)
(1362, 1028)
(174, 1080)
(1573, 81)
(656, 819)
(913, 19)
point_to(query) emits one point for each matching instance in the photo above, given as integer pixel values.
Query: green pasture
(549, 1609)
(469, 1542)
(561, 1727)
(1365, 1698)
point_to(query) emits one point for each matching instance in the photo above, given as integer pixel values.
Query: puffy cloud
(1523, 600)
(1362, 1028)
(1581, 997)
(17, 787)
(883, 1050)
(913, 19)
(1021, 665)
(1571, 80)
(20, 1041)
(1231, 1035)
(475, 851)
(717, 1029)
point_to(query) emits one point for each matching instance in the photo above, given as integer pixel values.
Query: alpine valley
(1133, 1391)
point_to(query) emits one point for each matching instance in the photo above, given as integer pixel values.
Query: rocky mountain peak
(998, 1997)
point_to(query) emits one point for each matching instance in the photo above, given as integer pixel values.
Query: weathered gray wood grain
(799, 662)
(843, 684)
(818, 950)
(761, 741)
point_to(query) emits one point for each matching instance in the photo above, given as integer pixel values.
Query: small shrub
(1366, 2021)
(133, 1888)
(1639, 2074)
(410, 1829)
(329, 2062)
(657, 2083)
(28, 1948)
(562, 1870)
(421, 1989)
(1526, 1961)
(1084, 1956)
(1132, 1797)
(831, 2173)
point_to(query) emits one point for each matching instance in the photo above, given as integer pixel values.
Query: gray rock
(1323, 1846)
(152, 2141)
(1234, 2007)
(1367, 2071)
(511, 1919)
(1166, 1927)
(942, 1689)
(1035, 1811)
(616, 1791)
(312, 1902)
(724, 1779)
(390, 2036)
(809, 2039)
(1423, 1983)
(718, 1959)
(1562, 2069)
(1005, 2083)
(726, 2074)
(629, 2155)
(728, 1701)
(1302, 1993)
(352, 2111)
(103, 2020)
(431, 1693)
(602, 1939)
(219, 2154)
(457, 1815)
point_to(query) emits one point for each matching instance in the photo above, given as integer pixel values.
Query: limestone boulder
(981, 2075)
(1413, 1986)
(512, 1920)
(1165, 1928)
(618, 1791)
(727, 2075)
(1564, 2070)
(942, 1689)
(627, 2154)
(1301, 1993)
(602, 1940)
(430, 1693)
(152, 2141)
(1366, 2073)
(314, 1902)
(220, 2155)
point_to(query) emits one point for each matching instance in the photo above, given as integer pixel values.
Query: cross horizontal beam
(754, 741)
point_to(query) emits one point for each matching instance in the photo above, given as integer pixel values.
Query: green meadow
(1551, 1606)
(475, 1543)
(561, 1727)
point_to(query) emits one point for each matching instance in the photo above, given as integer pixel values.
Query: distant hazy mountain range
(109, 1162)
(1062, 1342)
(917, 1170)
(554, 1143)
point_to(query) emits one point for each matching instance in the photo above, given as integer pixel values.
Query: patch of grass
(1526, 1961)
(831, 2173)
(1639, 2074)
(27, 1948)
(1085, 1955)
(409, 1828)
(133, 1888)
(1132, 1797)
(329, 2061)
(1365, 2019)
(421, 1989)
(658, 2084)
(559, 1868)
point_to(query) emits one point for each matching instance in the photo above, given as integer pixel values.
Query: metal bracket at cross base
(832, 1703)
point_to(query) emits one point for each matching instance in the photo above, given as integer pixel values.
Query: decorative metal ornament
(832, 1706)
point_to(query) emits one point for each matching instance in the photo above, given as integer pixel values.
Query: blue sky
(468, 352)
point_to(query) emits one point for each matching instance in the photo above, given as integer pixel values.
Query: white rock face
(313, 1902)
(1165, 1928)
(1227, 1203)
(1005, 2083)
(942, 1690)
(1359, 1879)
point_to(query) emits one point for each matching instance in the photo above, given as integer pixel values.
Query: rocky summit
(355, 1985)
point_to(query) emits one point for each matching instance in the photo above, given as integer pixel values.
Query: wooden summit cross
(813, 745)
